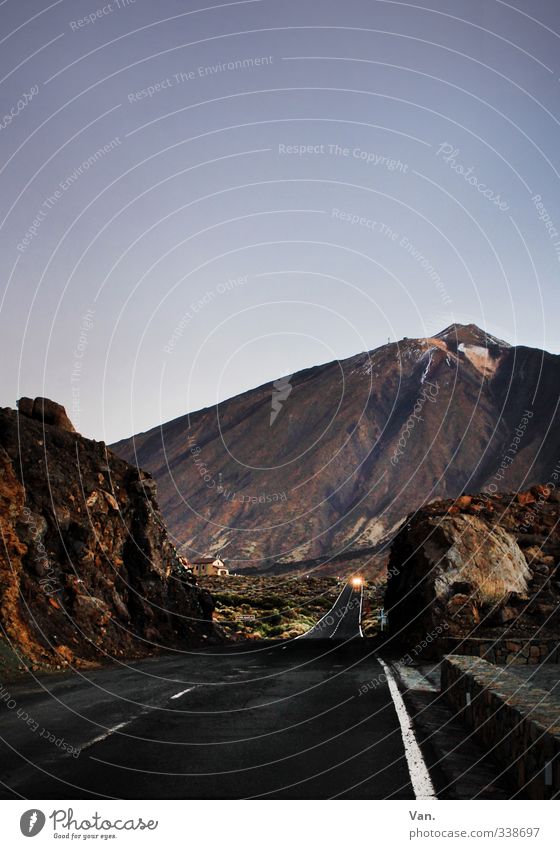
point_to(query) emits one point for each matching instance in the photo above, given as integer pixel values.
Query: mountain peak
(353, 449)
(470, 334)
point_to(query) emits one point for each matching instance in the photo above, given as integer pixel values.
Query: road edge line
(419, 774)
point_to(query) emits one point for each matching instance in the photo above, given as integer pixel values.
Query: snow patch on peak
(480, 358)
(426, 372)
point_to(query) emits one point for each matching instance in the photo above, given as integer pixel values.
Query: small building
(207, 566)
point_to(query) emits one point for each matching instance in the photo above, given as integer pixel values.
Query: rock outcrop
(478, 566)
(333, 466)
(87, 571)
(46, 411)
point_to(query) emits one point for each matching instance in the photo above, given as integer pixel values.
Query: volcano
(328, 462)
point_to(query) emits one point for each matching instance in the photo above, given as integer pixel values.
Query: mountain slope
(332, 458)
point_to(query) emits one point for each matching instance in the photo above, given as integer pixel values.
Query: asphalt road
(254, 720)
(342, 622)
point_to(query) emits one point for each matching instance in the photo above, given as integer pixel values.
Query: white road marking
(121, 725)
(105, 735)
(346, 609)
(419, 774)
(328, 613)
(361, 603)
(182, 693)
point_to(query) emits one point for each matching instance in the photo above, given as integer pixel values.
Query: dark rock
(79, 559)
(541, 569)
(526, 540)
(506, 614)
(46, 411)
(461, 587)
(544, 609)
(25, 407)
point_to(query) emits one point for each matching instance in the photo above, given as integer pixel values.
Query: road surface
(342, 622)
(257, 720)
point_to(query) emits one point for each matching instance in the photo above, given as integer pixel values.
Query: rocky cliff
(479, 566)
(331, 459)
(87, 571)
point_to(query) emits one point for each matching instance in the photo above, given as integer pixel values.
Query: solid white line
(361, 603)
(419, 774)
(182, 693)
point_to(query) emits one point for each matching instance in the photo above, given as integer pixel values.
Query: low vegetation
(257, 607)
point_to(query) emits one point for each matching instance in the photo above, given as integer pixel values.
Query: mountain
(327, 462)
(87, 572)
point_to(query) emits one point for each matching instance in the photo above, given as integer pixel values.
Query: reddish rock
(13, 550)
(542, 492)
(78, 559)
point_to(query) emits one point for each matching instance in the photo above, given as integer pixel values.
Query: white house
(207, 566)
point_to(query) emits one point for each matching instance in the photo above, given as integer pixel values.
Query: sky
(198, 198)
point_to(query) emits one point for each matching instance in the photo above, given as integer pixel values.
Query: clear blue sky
(199, 198)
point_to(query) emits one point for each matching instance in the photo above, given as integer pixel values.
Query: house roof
(206, 562)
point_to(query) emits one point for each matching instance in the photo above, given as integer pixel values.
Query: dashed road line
(104, 736)
(182, 693)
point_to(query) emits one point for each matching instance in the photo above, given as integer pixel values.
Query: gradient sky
(196, 257)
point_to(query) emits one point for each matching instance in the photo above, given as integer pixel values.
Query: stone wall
(504, 652)
(519, 726)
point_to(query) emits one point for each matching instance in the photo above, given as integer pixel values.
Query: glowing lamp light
(357, 582)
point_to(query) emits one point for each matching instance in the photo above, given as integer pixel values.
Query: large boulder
(480, 565)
